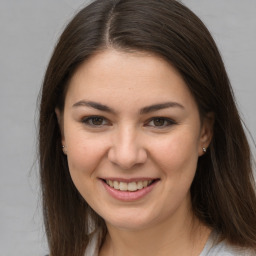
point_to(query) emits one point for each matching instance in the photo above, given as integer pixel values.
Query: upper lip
(137, 179)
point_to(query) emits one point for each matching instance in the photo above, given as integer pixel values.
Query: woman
(142, 151)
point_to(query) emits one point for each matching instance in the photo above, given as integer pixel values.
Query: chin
(132, 222)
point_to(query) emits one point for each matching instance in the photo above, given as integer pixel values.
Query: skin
(126, 143)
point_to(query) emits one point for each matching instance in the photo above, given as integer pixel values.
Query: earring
(64, 150)
(204, 150)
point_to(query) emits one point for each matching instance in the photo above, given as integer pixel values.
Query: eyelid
(85, 120)
(105, 122)
(169, 121)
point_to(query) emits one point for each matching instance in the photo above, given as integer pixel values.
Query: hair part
(223, 190)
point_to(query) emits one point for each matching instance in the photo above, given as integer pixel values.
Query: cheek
(84, 157)
(177, 154)
(84, 153)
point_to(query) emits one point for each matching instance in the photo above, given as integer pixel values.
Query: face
(132, 136)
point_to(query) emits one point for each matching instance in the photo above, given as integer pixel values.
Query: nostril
(127, 157)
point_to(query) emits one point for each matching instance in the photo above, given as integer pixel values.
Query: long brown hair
(223, 190)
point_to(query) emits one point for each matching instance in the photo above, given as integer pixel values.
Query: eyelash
(88, 121)
(166, 122)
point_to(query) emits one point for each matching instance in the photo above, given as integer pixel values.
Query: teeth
(139, 185)
(123, 186)
(145, 183)
(116, 184)
(130, 186)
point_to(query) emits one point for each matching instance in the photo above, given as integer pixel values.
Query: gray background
(28, 32)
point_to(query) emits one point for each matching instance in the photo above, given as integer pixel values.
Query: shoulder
(224, 249)
(213, 248)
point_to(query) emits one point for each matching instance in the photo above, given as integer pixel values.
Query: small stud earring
(204, 150)
(64, 150)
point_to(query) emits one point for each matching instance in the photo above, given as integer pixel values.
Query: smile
(129, 186)
(129, 190)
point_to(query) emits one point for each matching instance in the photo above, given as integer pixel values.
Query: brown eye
(160, 122)
(95, 121)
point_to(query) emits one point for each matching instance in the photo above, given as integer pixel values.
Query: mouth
(129, 186)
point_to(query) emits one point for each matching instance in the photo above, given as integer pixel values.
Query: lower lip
(129, 196)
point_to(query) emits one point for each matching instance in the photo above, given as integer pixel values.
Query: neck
(170, 237)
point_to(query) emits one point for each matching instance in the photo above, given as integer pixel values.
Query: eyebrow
(95, 105)
(160, 106)
(145, 110)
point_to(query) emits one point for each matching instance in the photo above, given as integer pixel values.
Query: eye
(95, 121)
(160, 122)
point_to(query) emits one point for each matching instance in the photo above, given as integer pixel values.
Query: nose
(127, 149)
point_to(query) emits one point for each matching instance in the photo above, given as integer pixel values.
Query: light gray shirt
(212, 248)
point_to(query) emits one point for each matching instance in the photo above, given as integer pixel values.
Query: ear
(206, 132)
(59, 115)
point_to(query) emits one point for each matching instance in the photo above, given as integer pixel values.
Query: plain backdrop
(29, 30)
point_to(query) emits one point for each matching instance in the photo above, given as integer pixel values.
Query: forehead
(120, 77)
